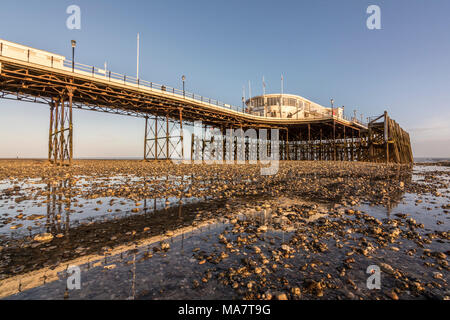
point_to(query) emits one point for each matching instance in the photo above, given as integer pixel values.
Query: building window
(273, 101)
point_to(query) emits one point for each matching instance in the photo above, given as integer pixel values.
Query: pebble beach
(160, 230)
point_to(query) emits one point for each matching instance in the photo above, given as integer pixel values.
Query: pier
(32, 75)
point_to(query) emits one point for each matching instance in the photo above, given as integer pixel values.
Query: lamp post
(183, 78)
(74, 43)
(332, 108)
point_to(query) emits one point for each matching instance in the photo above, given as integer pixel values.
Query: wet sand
(157, 230)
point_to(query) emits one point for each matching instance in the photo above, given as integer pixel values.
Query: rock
(392, 295)
(314, 286)
(437, 275)
(296, 291)
(395, 233)
(267, 296)
(439, 255)
(418, 286)
(376, 230)
(349, 260)
(322, 247)
(282, 296)
(262, 229)
(110, 267)
(387, 268)
(44, 237)
(35, 217)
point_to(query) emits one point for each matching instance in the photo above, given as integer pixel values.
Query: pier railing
(144, 84)
(59, 62)
(139, 83)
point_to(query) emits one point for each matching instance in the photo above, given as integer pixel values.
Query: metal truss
(60, 146)
(163, 139)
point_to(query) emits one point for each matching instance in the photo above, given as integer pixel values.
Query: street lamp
(182, 79)
(74, 43)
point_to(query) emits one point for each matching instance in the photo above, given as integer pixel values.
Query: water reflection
(87, 235)
(59, 200)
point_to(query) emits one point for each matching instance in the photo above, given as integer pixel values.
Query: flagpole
(264, 98)
(281, 97)
(264, 87)
(250, 92)
(243, 97)
(137, 65)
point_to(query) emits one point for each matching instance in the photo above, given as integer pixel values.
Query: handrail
(109, 75)
(79, 68)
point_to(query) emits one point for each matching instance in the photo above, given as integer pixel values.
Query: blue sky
(322, 47)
